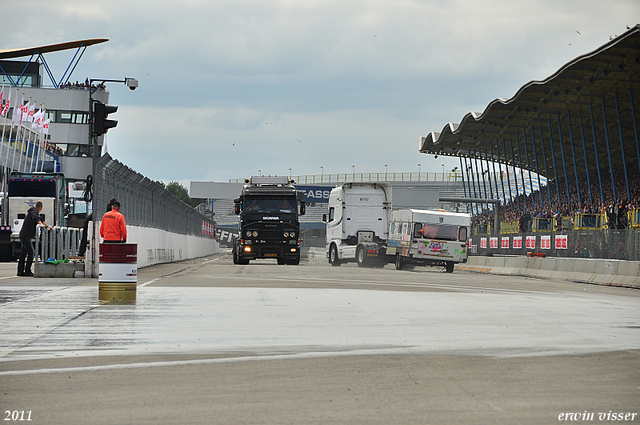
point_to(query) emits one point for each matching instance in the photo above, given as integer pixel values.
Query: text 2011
(17, 415)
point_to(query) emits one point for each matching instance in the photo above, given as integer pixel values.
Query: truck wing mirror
(237, 208)
(324, 218)
(303, 208)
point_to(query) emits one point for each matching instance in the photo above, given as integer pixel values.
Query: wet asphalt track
(210, 342)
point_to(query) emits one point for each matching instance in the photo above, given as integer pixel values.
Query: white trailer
(358, 224)
(428, 238)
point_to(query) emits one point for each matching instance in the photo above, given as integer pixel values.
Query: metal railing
(447, 176)
(58, 243)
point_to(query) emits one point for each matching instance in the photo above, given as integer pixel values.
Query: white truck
(358, 224)
(428, 238)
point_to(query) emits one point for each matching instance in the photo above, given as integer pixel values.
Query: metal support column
(564, 161)
(524, 185)
(464, 187)
(535, 158)
(488, 174)
(595, 149)
(606, 138)
(546, 169)
(475, 194)
(526, 154)
(494, 173)
(573, 155)
(553, 156)
(513, 161)
(479, 174)
(624, 159)
(586, 162)
(506, 163)
(635, 126)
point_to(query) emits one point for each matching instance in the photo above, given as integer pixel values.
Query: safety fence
(144, 202)
(621, 244)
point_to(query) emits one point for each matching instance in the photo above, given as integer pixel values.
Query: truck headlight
(286, 234)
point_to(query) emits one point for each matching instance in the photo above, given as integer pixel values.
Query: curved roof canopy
(29, 51)
(586, 103)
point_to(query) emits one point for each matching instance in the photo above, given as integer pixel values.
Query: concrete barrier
(584, 270)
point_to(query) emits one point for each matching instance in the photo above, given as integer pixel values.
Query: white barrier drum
(118, 272)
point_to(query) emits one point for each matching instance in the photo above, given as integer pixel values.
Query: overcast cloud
(231, 87)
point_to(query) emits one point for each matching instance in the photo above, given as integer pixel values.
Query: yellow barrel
(117, 292)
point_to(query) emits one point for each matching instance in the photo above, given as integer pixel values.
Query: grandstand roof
(28, 51)
(603, 80)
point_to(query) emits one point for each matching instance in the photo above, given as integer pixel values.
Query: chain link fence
(145, 203)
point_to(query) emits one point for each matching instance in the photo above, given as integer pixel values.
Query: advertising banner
(517, 242)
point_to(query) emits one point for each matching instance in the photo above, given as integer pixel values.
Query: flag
(1, 94)
(24, 107)
(16, 119)
(37, 118)
(32, 110)
(45, 126)
(5, 110)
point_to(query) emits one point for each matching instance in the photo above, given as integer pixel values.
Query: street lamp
(418, 172)
(321, 174)
(354, 172)
(132, 83)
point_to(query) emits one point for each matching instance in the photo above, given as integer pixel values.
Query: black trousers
(26, 256)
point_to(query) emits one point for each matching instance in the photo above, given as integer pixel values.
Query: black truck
(268, 226)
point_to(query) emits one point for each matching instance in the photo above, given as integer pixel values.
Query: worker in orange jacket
(113, 228)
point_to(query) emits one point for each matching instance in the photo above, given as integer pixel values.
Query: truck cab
(358, 223)
(23, 190)
(269, 227)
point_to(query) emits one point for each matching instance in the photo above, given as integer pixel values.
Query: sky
(303, 87)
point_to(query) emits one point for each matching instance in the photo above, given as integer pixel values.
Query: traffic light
(100, 122)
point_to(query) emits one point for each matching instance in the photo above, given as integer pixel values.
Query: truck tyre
(399, 262)
(361, 257)
(449, 266)
(293, 261)
(333, 256)
(282, 261)
(234, 253)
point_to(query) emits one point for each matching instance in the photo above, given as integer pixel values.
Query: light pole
(418, 172)
(321, 174)
(96, 153)
(354, 172)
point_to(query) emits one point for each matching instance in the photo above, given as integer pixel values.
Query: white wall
(157, 246)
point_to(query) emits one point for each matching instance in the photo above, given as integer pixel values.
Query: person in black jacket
(28, 232)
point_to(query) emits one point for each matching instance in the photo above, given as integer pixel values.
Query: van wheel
(282, 261)
(399, 262)
(449, 267)
(333, 256)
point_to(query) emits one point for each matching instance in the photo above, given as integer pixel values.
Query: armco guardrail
(583, 270)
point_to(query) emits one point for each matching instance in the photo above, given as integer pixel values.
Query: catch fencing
(144, 202)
